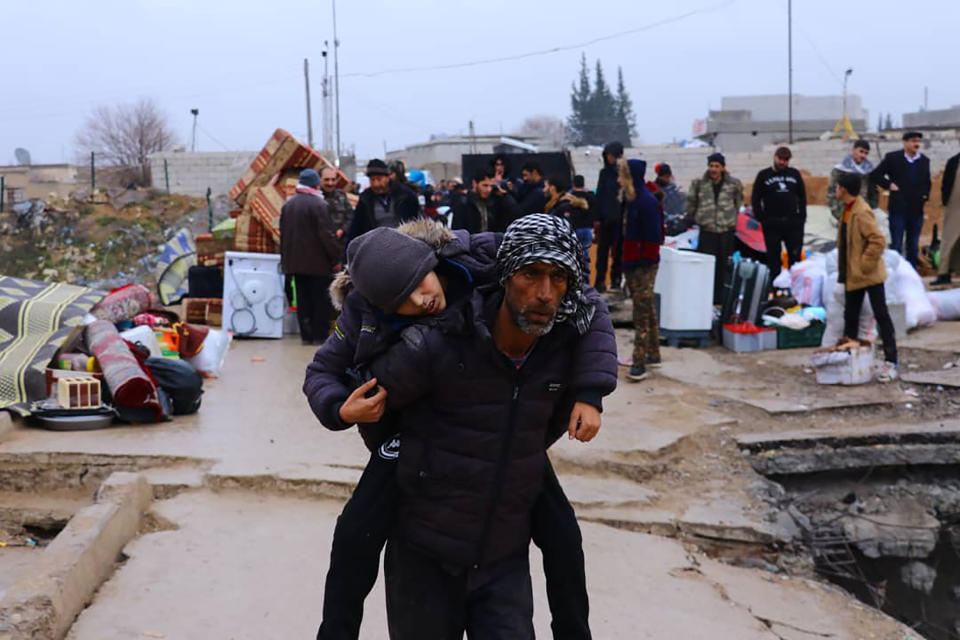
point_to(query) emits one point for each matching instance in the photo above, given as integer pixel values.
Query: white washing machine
(253, 299)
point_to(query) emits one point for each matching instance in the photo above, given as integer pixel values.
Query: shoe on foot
(654, 363)
(637, 372)
(888, 372)
(943, 278)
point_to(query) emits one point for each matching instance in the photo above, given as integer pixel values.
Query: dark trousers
(368, 517)
(909, 223)
(426, 600)
(878, 301)
(358, 539)
(314, 308)
(609, 239)
(719, 245)
(780, 231)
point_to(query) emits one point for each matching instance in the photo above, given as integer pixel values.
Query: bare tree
(124, 135)
(544, 127)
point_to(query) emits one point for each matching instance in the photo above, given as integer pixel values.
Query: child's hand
(584, 422)
(359, 409)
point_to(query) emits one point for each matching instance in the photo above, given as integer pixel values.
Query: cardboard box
(847, 367)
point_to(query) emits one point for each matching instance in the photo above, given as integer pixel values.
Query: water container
(685, 284)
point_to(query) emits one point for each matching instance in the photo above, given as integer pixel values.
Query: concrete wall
(774, 107)
(816, 157)
(934, 119)
(191, 173)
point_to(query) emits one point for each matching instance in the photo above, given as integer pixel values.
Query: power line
(210, 135)
(543, 52)
(823, 61)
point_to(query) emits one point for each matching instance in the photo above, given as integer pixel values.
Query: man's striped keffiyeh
(542, 237)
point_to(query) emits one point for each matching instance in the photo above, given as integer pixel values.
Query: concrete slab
(14, 563)
(586, 490)
(803, 398)
(942, 336)
(943, 377)
(45, 601)
(252, 567)
(839, 449)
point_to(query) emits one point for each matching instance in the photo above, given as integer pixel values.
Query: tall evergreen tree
(626, 121)
(602, 124)
(580, 106)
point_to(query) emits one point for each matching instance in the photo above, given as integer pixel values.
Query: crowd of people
(467, 339)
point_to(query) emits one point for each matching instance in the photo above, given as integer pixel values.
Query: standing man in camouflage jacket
(341, 213)
(713, 204)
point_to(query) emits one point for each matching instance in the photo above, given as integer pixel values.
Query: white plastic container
(685, 284)
(844, 367)
(144, 335)
(253, 299)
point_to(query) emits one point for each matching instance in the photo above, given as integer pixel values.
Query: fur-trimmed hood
(475, 254)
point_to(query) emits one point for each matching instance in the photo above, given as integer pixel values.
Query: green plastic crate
(812, 336)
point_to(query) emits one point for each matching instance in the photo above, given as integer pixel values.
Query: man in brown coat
(862, 271)
(310, 255)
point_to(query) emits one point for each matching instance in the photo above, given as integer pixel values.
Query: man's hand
(359, 409)
(894, 187)
(584, 422)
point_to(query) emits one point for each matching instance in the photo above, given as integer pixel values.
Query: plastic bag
(143, 335)
(209, 362)
(806, 280)
(946, 304)
(835, 295)
(180, 381)
(906, 286)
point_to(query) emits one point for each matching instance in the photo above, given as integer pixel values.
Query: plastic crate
(812, 336)
(745, 342)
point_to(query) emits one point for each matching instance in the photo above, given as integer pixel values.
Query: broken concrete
(59, 584)
(946, 377)
(816, 450)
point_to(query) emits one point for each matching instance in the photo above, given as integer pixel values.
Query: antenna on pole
(789, 71)
(306, 80)
(193, 138)
(336, 78)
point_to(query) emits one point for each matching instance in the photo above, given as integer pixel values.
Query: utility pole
(789, 71)
(473, 138)
(336, 76)
(306, 80)
(925, 96)
(193, 138)
(327, 105)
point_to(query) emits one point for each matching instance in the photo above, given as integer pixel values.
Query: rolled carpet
(131, 387)
(123, 303)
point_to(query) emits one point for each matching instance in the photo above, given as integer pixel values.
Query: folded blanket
(130, 385)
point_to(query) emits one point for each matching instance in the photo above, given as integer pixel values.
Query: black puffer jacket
(362, 331)
(475, 427)
(405, 203)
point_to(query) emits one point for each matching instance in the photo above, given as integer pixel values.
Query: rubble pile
(101, 240)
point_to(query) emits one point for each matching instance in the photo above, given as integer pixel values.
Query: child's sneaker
(888, 372)
(637, 372)
(654, 363)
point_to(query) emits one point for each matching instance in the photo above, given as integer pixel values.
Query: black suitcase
(204, 282)
(745, 293)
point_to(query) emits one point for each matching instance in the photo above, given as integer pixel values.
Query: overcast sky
(241, 63)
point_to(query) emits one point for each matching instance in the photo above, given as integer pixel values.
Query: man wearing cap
(907, 175)
(480, 392)
(609, 225)
(780, 204)
(674, 200)
(309, 254)
(386, 203)
(713, 204)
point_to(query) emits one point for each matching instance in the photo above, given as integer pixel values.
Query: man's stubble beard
(523, 323)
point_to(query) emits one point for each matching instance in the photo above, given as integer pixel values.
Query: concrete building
(747, 123)
(23, 182)
(935, 119)
(191, 173)
(441, 156)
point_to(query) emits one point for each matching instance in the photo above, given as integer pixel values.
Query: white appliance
(253, 300)
(685, 284)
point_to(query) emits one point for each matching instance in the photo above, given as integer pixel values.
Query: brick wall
(191, 173)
